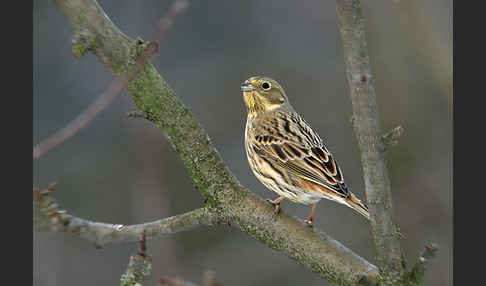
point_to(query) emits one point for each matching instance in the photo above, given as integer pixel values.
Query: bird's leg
(276, 203)
(310, 219)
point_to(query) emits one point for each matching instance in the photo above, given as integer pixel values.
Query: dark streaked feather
(300, 151)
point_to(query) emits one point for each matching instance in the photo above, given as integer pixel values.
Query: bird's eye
(266, 85)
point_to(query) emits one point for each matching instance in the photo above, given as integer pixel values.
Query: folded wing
(289, 142)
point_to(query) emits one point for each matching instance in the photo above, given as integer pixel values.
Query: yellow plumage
(286, 154)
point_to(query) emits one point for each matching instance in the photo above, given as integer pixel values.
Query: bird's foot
(309, 221)
(276, 204)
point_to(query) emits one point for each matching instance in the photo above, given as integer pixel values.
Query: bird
(287, 155)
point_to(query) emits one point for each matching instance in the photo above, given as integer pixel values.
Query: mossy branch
(139, 266)
(49, 217)
(416, 276)
(221, 191)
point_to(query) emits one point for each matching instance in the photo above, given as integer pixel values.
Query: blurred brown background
(122, 170)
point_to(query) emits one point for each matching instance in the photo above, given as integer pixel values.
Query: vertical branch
(139, 267)
(221, 191)
(366, 125)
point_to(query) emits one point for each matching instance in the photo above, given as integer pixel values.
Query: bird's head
(262, 94)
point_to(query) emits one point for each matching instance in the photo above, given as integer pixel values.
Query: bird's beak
(246, 86)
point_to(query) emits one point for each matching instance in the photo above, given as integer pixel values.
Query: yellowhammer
(286, 154)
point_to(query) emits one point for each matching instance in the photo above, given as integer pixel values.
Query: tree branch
(101, 103)
(48, 217)
(416, 275)
(221, 191)
(366, 123)
(80, 122)
(81, 44)
(139, 266)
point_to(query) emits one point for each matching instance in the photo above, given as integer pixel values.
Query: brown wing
(288, 141)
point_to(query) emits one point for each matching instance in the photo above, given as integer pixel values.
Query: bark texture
(372, 144)
(222, 193)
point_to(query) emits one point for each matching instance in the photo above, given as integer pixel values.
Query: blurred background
(121, 170)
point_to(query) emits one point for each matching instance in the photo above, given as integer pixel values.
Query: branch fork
(226, 201)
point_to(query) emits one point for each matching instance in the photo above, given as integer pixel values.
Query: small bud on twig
(391, 137)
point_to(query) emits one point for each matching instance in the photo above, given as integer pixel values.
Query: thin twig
(221, 191)
(49, 217)
(139, 266)
(89, 114)
(115, 88)
(142, 247)
(416, 275)
(391, 137)
(209, 279)
(80, 122)
(165, 24)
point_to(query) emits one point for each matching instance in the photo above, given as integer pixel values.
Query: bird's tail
(358, 206)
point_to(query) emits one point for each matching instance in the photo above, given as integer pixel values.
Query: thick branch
(48, 217)
(368, 132)
(221, 191)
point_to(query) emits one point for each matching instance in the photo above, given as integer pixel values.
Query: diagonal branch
(80, 122)
(221, 191)
(81, 45)
(48, 217)
(94, 109)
